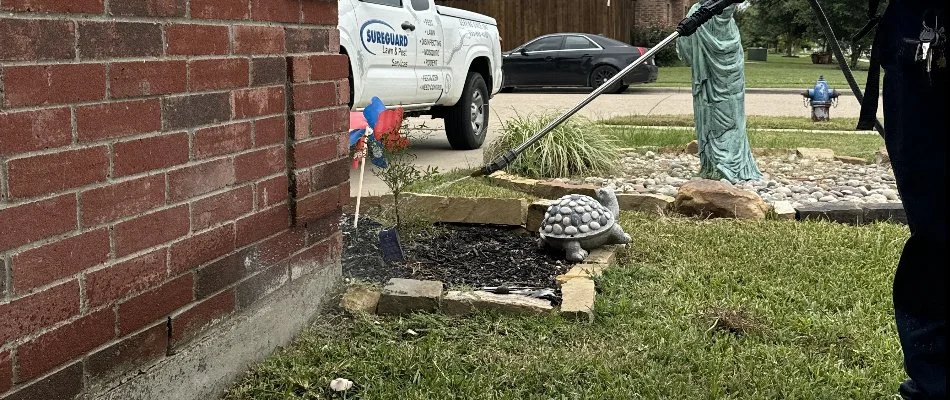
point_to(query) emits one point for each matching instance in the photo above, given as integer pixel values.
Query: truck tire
(466, 123)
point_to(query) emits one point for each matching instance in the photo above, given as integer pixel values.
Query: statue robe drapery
(715, 56)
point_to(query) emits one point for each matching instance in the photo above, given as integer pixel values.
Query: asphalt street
(434, 149)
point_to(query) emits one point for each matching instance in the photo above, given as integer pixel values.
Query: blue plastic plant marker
(389, 245)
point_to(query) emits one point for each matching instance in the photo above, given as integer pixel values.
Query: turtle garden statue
(578, 224)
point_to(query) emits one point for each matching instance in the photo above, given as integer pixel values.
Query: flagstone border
(402, 296)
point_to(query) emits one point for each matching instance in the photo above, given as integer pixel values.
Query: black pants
(915, 119)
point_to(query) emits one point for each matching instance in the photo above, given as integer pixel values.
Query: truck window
(392, 3)
(420, 5)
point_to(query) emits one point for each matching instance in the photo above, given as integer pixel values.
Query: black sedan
(574, 59)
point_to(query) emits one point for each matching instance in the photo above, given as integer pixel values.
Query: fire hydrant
(821, 98)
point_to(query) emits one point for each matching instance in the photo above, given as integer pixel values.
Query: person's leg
(916, 139)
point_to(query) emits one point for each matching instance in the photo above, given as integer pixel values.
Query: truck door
(430, 65)
(388, 41)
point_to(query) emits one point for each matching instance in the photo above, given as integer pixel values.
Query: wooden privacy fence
(523, 20)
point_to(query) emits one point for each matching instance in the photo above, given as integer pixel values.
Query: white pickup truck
(429, 59)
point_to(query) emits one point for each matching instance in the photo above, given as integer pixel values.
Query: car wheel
(466, 123)
(622, 88)
(602, 74)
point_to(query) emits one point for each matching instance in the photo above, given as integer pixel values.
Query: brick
(63, 384)
(222, 273)
(34, 130)
(150, 306)
(300, 69)
(307, 40)
(39, 310)
(262, 224)
(268, 71)
(223, 207)
(329, 67)
(321, 228)
(111, 120)
(64, 343)
(343, 91)
(189, 323)
(57, 260)
(6, 371)
(54, 6)
(148, 8)
(119, 39)
(272, 191)
(302, 125)
(30, 222)
(194, 251)
(260, 163)
(49, 173)
(127, 277)
(33, 39)
(223, 139)
(320, 12)
(53, 84)
(332, 121)
(313, 96)
(316, 257)
(136, 156)
(263, 283)
(190, 111)
(279, 247)
(277, 11)
(258, 101)
(120, 200)
(318, 205)
(330, 174)
(220, 9)
(258, 39)
(145, 78)
(223, 73)
(269, 131)
(215, 39)
(132, 352)
(200, 179)
(150, 230)
(314, 151)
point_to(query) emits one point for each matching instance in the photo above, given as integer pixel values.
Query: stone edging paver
(401, 296)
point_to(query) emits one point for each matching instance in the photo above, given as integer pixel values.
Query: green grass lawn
(777, 72)
(719, 309)
(752, 122)
(843, 144)
(452, 184)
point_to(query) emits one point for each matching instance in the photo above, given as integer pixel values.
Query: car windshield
(608, 42)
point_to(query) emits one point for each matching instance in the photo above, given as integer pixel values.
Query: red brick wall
(661, 12)
(163, 164)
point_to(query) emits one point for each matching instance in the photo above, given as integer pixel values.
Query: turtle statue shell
(576, 216)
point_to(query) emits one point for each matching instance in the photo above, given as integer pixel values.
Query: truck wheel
(466, 123)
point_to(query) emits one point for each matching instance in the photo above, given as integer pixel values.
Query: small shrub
(401, 171)
(574, 148)
(650, 35)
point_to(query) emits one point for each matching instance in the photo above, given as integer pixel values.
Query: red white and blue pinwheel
(374, 131)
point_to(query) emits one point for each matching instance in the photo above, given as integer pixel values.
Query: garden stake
(359, 187)
(686, 27)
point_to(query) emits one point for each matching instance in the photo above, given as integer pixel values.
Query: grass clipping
(574, 148)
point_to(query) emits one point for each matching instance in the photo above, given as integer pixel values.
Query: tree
(788, 24)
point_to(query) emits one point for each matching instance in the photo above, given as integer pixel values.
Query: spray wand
(686, 27)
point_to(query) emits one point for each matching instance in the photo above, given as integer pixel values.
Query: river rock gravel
(786, 177)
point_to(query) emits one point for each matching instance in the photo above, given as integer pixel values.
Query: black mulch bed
(472, 255)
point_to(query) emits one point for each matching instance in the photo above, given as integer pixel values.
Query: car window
(544, 44)
(577, 43)
(394, 3)
(420, 5)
